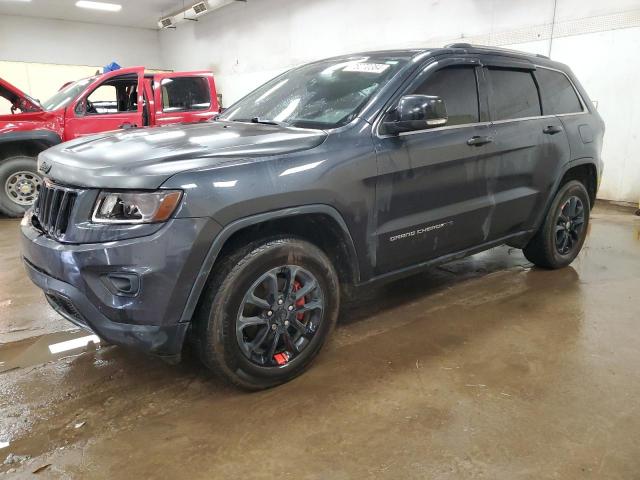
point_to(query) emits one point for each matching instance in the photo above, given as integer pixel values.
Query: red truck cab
(121, 99)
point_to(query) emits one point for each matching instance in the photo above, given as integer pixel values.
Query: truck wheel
(266, 312)
(564, 230)
(19, 184)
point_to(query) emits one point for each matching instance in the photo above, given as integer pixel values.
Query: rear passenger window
(185, 93)
(457, 87)
(558, 95)
(513, 94)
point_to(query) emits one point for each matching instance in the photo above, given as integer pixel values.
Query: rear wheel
(564, 229)
(266, 312)
(19, 184)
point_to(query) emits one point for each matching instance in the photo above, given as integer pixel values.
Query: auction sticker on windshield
(366, 67)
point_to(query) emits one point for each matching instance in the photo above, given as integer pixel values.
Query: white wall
(40, 40)
(245, 44)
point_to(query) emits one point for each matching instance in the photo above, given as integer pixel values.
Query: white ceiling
(134, 13)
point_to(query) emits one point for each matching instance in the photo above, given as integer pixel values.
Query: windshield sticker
(376, 68)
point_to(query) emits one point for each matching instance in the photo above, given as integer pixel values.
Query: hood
(18, 98)
(145, 158)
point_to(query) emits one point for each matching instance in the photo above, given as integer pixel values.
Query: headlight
(135, 207)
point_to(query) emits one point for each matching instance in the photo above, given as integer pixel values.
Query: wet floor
(484, 368)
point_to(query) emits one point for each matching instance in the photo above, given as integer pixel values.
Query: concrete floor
(484, 368)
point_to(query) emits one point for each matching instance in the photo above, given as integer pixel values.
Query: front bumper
(77, 281)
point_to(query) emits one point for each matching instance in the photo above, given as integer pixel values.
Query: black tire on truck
(266, 312)
(19, 182)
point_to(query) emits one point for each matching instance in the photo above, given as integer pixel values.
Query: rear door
(113, 101)
(184, 97)
(430, 191)
(528, 151)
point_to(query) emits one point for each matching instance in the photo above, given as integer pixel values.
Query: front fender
(229, 230)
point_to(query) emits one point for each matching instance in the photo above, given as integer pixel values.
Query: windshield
(324, 94)
(67, 94)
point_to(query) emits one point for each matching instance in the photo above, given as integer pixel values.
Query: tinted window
(457, 87)
(558, 95)
(513, 94)
(185, 93)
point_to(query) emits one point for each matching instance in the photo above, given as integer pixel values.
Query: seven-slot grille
(53, 208)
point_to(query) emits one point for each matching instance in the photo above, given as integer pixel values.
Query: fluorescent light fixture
(73, 344)
(106, 7)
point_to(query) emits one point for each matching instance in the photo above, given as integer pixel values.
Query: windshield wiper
(266, 121)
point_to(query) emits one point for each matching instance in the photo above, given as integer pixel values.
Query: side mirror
(416, 112)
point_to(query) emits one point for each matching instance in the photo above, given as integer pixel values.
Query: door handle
(552, 129)
(127, 125)
(478, 141)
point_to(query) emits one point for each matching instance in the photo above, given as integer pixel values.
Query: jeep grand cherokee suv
(241, 233)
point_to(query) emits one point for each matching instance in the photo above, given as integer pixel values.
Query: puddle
(43, 349)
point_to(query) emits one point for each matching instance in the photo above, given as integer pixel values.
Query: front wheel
(19, 184)
(564, 229)
(266, 312)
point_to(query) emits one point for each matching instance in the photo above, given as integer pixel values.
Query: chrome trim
(435, 129)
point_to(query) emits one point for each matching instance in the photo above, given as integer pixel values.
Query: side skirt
(413, 269)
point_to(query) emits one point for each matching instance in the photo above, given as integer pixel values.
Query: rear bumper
(76, 280)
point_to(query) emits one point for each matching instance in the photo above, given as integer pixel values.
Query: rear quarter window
(185, 93)
(513, 94)
(557, 93)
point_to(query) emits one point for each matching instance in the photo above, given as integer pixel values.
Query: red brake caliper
(283, 357)
(301, 302)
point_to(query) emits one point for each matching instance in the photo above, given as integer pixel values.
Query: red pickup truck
(125, 98)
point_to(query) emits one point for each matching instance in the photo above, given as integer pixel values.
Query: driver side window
(116, 95)
(103, 99)
(458, 88)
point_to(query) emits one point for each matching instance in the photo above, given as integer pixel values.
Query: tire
(21, 168)
(221, 343)
(546, 249)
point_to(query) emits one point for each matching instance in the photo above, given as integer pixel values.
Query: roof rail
(487, 47)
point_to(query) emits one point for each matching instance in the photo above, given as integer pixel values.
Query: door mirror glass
(416, 112)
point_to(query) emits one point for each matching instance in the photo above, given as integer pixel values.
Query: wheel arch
(319, 224)
(586, 172)
(29, 143)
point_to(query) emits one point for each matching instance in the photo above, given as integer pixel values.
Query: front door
(114, 101)
(431, 187)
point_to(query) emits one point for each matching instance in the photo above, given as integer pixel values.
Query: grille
(53, 208)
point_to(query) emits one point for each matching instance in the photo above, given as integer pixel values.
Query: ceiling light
(107, 7)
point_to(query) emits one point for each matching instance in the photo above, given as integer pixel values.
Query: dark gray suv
(241, 233)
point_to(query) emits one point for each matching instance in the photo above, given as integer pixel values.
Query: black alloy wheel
(279, 316)
(570, 225)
